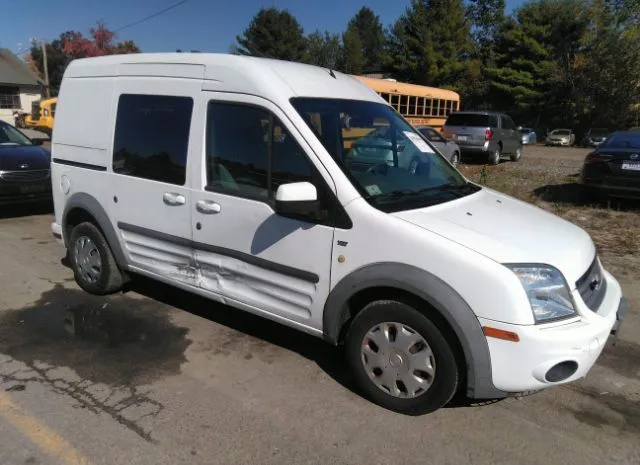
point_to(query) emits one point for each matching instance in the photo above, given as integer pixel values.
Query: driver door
(245, 251)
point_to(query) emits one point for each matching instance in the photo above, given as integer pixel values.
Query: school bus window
(420, 109)
(395, 101)
(385, 97)
(441, 108)
(404, 99)
(448, 107)
(427, 107)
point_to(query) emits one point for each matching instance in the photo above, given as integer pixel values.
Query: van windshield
(390, 163)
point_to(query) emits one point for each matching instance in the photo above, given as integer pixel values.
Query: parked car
(529, 136)
(561, 137)
(448, 148)
(613, 168)
(24, 168)
(487, 134)
(595, 137)
(434, 284)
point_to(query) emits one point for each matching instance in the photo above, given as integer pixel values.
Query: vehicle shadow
(572, 193)
(27, 209)
(328, 358)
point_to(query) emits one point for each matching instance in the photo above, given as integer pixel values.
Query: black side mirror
(37, 141)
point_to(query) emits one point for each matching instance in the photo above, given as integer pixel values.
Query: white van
(233, 177)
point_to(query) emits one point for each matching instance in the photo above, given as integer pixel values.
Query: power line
(157, 13)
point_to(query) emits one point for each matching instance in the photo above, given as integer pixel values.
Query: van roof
(264, 77)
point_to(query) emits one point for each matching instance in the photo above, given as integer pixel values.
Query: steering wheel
(378, 168)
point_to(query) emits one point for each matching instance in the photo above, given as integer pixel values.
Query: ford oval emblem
(634, 156)
(24, 166)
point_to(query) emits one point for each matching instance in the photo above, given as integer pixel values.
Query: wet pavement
(155, 375)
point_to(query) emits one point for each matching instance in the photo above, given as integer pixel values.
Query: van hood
(508, 231)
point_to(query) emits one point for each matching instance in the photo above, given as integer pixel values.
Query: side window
(241, 141)
(493, 121)
(507, 123)
(152, 137)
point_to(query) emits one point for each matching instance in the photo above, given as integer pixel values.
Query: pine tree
(369, 28)
(323, 50)
(273, 33)
(353, 59)
(430, 43)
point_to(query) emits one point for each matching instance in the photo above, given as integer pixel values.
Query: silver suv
(483, 133)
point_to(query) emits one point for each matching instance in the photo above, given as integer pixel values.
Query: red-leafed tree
(71, 45)
(100, 43)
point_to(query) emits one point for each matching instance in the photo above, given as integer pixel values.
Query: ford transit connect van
(229, 177)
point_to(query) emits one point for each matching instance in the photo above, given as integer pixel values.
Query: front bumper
(563, 143)
(525, 365)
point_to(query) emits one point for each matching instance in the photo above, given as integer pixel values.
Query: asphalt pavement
(158, 376)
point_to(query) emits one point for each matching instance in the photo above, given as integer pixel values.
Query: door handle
(208, 207)
(172, 198)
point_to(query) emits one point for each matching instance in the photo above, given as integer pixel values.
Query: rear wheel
(92, 261)
(494, 157)
(400, 359)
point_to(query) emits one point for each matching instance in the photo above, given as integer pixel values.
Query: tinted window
(469, 119)
(152, 137)
(240, 141)
(507, 123)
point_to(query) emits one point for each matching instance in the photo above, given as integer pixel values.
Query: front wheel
(400, 359)
(517, 155)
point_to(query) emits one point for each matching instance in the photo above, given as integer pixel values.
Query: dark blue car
(613, 168)
(24, 168)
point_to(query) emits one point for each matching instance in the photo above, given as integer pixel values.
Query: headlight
(547, 291)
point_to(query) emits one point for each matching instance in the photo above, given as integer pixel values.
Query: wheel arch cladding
(436, 293)
(82, 202)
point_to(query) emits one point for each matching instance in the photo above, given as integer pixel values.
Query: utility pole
(46, 68)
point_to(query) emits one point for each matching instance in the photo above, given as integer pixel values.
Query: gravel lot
(157, 376)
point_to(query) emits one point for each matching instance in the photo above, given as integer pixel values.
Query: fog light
(561, 371)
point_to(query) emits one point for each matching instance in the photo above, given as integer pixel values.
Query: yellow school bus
(420, 105)
(42, 115)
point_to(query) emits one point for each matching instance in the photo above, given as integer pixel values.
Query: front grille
(24, 176)
(592, 286)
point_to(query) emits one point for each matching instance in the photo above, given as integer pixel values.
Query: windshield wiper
(398, 194)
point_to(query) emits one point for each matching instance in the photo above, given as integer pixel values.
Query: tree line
(569, 63)
(550, 63)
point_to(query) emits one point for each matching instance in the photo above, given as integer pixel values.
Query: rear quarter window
(152, 137)
(469, 119)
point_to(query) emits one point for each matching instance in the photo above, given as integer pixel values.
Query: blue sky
(206, 25)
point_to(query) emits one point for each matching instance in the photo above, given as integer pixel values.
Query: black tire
(494, 157)
(445, 380)
(518, 155)
(109, 278)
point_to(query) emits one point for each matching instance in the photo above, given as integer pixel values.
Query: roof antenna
(332, 74)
